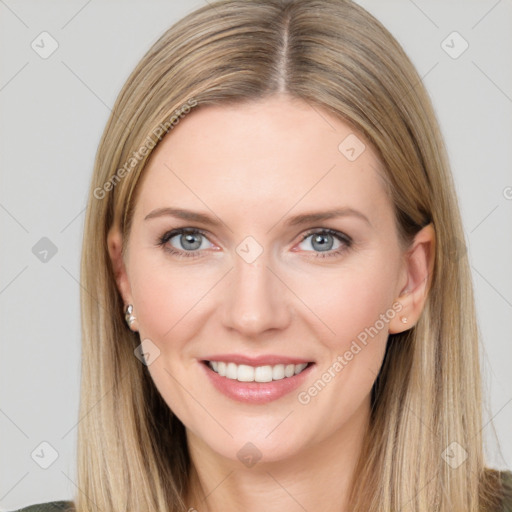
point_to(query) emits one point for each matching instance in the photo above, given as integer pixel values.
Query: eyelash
(162, 241)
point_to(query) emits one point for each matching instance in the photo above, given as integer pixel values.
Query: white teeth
(278, 372)
(231, 371)
(299, 368)
(263, 373)
(246, 373)
(289, 370)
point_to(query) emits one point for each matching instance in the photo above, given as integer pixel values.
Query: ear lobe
(115, 246)
(419, 262)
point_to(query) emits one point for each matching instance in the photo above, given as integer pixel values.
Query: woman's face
(270, 276)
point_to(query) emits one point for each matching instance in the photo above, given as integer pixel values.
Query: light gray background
(53, 113)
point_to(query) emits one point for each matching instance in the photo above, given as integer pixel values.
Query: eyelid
(343, 238)
(184, 231)
(334, 232)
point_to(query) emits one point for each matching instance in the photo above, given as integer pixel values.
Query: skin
(253, 166)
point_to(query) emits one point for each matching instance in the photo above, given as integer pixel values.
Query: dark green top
(67, 506)
(51, 506)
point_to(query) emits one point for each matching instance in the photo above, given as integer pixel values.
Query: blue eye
(189, 242)
(323, 240)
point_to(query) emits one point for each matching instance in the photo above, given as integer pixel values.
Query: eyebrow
(297, 220)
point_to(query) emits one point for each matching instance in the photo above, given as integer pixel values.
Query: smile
(247, 373)
(256, 384)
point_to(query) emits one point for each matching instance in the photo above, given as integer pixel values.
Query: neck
(318, 477)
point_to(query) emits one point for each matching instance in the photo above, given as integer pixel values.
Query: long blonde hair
(132, 453)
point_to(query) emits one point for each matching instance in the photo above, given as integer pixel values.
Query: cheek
(357, 308)
(164, 294)
(157, 298)
(167, 298)
(349, 303)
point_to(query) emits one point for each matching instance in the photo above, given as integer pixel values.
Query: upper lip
(262, 360)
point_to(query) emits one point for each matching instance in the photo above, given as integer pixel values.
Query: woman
(275, 309)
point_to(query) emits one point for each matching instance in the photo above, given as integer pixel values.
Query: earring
(128, 315)
(403, 319)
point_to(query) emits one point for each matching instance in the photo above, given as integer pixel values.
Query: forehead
(275, 151)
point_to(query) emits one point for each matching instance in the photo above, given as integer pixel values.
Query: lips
(256, 380)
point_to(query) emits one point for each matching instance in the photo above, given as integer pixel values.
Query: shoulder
(68, 506)
(506, 483)
(51, 506)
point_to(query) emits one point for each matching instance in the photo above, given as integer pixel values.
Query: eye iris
(320, 241)
(323, 240)
(189, 239)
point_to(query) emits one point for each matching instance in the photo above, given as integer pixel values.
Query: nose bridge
(257, 300)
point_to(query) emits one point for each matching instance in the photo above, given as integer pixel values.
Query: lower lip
(256, 392)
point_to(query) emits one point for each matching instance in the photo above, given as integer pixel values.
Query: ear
(418, 268)
(115, 246)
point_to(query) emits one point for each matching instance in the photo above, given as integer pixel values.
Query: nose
(257, 300)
